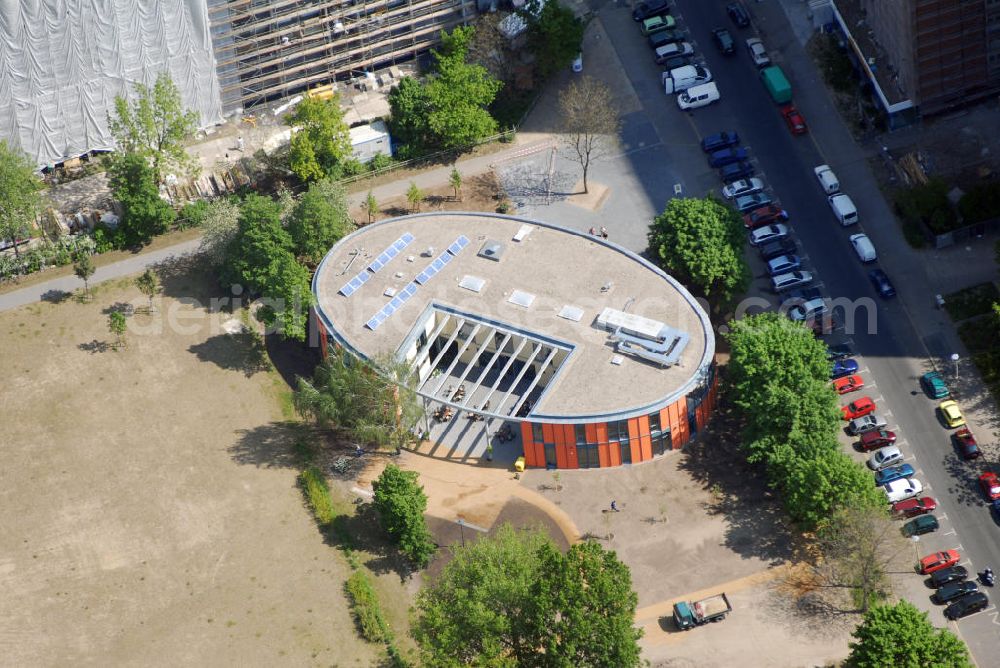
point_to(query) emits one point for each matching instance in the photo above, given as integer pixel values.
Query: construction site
(267, 50)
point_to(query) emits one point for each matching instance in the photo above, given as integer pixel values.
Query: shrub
(58, 253)
(317, 494)
(379, 162)
(352, 167)
(192, 215)
(929, 204)
(981, 202)
(366, 608)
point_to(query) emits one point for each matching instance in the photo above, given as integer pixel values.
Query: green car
(934, 385)
(921, 525)
(657, 23)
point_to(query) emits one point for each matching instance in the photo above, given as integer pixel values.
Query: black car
(838, 351)
(673, 62)
(658, 39)
(739, 14)
(883, 286)
(954, 590)
(720, 140)
(773, 249)
(737, 170)
(724, 41)
(649, 9)
(967, 605)
(945, 575)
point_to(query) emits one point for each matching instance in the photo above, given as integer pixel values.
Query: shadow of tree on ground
(95, 346)
(291, 359)
(243, 352)
(268, 446)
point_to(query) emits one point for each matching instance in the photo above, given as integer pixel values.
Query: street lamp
(461, 527)
(954, 358)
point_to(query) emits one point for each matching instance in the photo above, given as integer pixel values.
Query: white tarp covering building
(62, 62)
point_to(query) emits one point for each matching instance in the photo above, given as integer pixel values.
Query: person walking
(614, 506)
(604, 232)
(593, 232)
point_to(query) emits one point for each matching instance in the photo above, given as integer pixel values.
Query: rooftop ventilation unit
(491, 250)
(521, 298)
(643, 337)
(473, 283)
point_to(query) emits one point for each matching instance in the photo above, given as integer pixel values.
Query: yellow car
(952, 416)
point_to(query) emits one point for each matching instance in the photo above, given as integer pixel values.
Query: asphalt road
(902, 338)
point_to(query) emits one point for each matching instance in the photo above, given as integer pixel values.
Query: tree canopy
(345, 393)
(144, 213)
(322, 141)
(20, 194)
(555, 35)
(512, 599)
(590, 120)
(155, 125)
(401, 503)
(701, 242)
(319, 220)
(900, 635)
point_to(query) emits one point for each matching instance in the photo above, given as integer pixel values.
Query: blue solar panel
(376, 265)
(459, 243)
(407, 238)
(437, 265)
(446, 258)
(355, 283)
(410, 290)
(392, 251)
(375, 322)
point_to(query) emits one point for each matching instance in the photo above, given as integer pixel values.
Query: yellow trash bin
(519, 465)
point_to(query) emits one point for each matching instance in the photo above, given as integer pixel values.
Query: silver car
(746, 203)
(758, 54)
(863, 425)
(742, 187)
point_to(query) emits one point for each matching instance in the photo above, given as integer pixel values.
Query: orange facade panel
(646, 444)
(614, 450)
(572, 460)
(604, 455)
(602, 432)
(592, 434)
(562, 461)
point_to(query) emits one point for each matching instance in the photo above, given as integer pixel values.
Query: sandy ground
(148, 503)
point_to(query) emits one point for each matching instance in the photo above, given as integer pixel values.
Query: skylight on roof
(473, 283)
(521, 298)
(574, 313)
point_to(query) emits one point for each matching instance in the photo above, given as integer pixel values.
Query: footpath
(524, 144)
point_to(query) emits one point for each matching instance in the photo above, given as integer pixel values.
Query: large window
(588, 457)
(581, 434)
(550, 455)
(536, 432)
(654, 423)
(626, 452)
(661, 442)
(618, 431)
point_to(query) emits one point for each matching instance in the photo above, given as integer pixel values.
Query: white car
(742, 187)
(827, 179)
(813, 308)
(758, 54)
(578, 63)
(885, 457)
(864, 247)
(763, 235)
(900, 490)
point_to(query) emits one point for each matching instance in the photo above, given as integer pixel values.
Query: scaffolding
(270, 49)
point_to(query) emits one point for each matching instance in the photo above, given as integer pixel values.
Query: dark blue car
(883, 286)
(737, 170)
(727, 156)
(719, 140)
(886, 476)
(843, 368)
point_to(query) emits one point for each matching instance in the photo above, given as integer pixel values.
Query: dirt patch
(593, 200)
(148, 496)
(480, 192)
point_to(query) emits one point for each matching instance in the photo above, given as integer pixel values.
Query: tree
(220, 226)
(555, 35)
(900, 635)
(590, 121)
(259, 243)
(490, 48)
(117, 325)
(701, 241)
(145, 213)
(458, 94)
(155, 126)
(512, 599)
(401, 503)
(371, 207)
(322, 140)
(455, 181)
(148, 284)
(814, 488)
(287, 297)
(84, 268)
(373, 402)
(20, 195)
(319, 220)
(414, 196)
(859, 546)
(409, 107)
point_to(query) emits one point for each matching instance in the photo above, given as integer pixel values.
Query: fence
(967, 233)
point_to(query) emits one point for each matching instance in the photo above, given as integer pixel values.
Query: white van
(827, 179)
(682, 78)
(698, 96)
(843, 209)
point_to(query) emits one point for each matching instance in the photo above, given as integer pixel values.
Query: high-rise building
(925, 56)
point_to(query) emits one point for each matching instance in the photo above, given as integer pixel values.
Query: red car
(914, 507)
(848, 384)
(858, 408)
(938, 560)
(966, 443)
(796, 124)
(765, 215)
(990, 484)
(878, 438)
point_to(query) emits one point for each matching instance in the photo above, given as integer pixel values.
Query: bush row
(318, 495)
(366, 608)
(50, 254)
